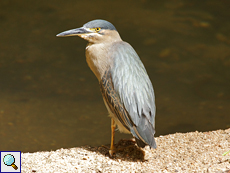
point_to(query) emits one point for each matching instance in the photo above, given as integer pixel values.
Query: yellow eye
(97, 29)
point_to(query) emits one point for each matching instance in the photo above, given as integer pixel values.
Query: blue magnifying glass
(9, 160)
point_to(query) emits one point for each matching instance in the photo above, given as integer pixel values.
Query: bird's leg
(112, 148)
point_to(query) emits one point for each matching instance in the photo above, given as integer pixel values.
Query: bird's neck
(98, 59)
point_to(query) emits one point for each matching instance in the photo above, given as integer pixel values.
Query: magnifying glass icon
(9, 160)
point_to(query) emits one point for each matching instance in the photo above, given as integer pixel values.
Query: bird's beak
(74, 32)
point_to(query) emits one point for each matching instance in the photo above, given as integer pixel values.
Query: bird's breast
(97, 58)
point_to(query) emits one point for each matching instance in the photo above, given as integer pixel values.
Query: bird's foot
(125, 149)
(123, 144)
(112, 150)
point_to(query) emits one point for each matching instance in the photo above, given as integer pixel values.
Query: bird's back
(134, 89)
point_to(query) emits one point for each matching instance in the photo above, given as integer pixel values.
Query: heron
(125, 86)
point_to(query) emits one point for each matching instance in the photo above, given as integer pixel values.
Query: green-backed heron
(125, 85)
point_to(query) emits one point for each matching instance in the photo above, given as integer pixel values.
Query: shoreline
(179, 152)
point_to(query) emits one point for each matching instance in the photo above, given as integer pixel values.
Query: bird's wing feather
(117, 108)
(113, 101)
(135, 90)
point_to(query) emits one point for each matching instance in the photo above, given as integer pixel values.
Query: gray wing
(135, 91)
(113, 100)
(115, 105)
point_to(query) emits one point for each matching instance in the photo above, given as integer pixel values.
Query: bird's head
(95, 31)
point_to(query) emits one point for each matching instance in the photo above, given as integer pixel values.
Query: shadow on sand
(125, 150)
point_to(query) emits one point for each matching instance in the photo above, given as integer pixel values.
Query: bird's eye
(97, 29)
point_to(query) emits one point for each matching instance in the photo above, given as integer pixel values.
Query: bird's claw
(111, 152)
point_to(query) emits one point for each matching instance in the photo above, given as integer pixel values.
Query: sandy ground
(181, 152)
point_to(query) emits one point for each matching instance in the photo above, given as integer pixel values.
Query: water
(49, 98)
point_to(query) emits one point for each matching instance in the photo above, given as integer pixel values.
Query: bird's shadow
(125, 150)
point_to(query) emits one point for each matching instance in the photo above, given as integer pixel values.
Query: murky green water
(50, 99)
